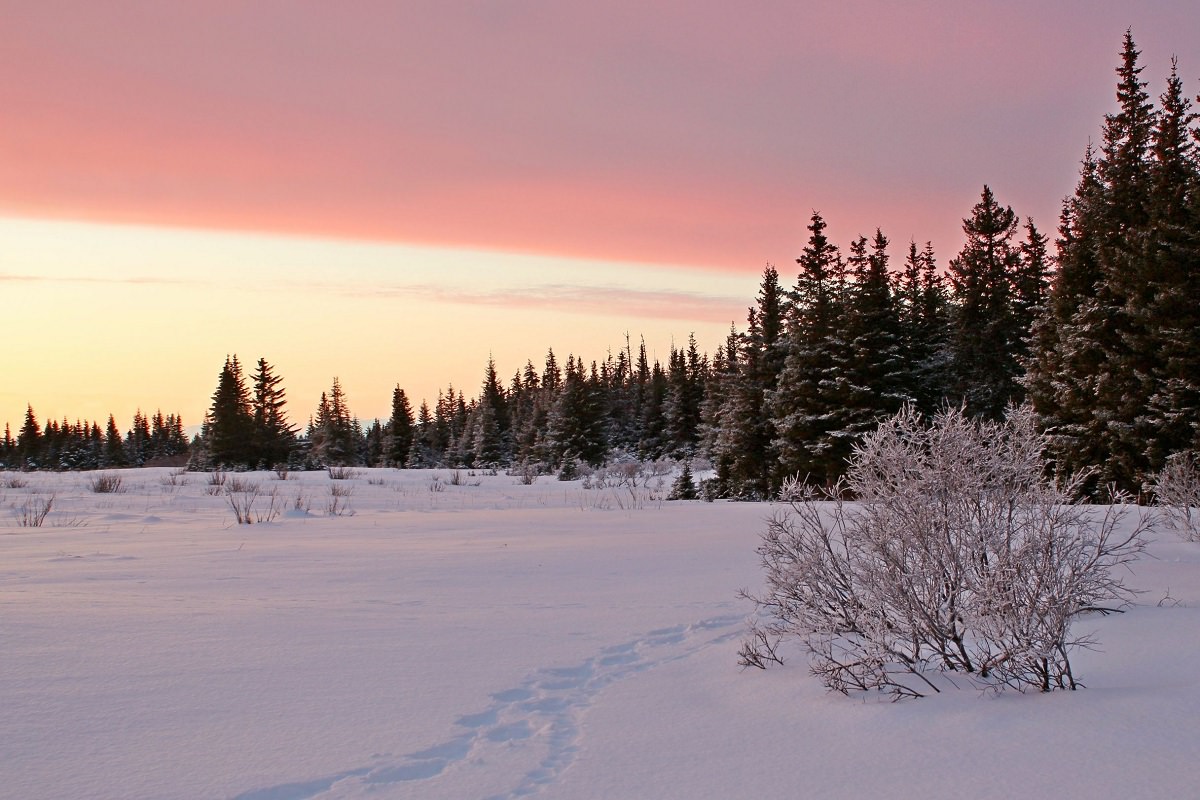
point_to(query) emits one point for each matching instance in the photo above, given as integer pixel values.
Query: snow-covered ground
(499, 640)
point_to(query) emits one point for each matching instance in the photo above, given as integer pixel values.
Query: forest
(1099, 334)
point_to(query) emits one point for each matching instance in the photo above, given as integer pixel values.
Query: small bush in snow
(176, 477)
(33, 512)
(13, 482)
(527, 473)
(242, 496)
(106, 483)
(957, 556)
(1177, 493)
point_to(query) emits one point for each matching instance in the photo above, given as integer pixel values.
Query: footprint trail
(528, 734)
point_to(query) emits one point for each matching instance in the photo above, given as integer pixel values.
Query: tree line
(1101, 337)
(78, 445)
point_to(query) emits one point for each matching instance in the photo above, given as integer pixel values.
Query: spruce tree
(274, 436)
(114, 446)
(400, 429)
(1168, 307)
(986, 335)
(230, 419)
(811, 384)
(878, 375)
(29, 442)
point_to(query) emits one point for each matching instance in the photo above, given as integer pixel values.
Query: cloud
(603, 300)
(136, 280)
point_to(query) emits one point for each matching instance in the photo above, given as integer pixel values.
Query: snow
(498, 640)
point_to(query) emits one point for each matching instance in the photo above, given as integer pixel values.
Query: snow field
(496, 640)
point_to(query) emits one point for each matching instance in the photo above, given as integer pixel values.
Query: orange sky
(682, 143)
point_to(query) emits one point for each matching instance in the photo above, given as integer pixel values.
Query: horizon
(392, 197)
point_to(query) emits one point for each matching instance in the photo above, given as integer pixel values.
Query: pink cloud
(664, 131)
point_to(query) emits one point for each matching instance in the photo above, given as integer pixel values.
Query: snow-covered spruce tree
(399, 443)
(812, 385)
(273, 437)
(229, 433)
(986, 338)
(957, 555)
(684, 487)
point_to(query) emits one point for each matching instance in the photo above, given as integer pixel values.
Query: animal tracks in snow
(528, 735)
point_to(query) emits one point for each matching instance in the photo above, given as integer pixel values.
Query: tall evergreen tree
(986, 336)
(29, 441)
(400, 429)
(333, 440)
(274, 436)
(811, 383)
(1168, 308)
(230, 419)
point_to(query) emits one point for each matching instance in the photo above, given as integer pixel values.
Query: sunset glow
(390, 193)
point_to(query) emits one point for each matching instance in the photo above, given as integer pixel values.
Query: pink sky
(660, 153)
(693, 133)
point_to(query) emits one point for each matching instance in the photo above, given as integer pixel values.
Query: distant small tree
(684, 487)
(400, 429)
(29, 443)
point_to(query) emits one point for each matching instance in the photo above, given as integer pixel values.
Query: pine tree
(491, 444)
(742, 446)
(812, 384)
(137, 438)
(1091, 377)
(878, 375)
(400, 429)
(274, 436)
(114, 447)
(1120, 393)
(230, 419)
(577, 421)
(29, 442)
(424, 450)
(8, 448)
(986, 336)
(924, 311)
(1168, 308)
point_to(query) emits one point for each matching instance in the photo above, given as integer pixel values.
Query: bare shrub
(216, 482)
(176, 477)
(376, 480)
(526, 472)
(33, 512)
(241, 496)
(106, 483)
(282, 473)
(339, 500)
(342, 473)
(958, 556)
(1177, 494)
(456, 478)
(759, 648)
(238, 484)
(13, 482)
(302, 503)
(436, 484)
(273, 510)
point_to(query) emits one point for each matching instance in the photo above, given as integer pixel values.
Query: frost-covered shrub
(956, 555)
(1177, 493)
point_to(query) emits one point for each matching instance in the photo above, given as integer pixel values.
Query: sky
(391, 193)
